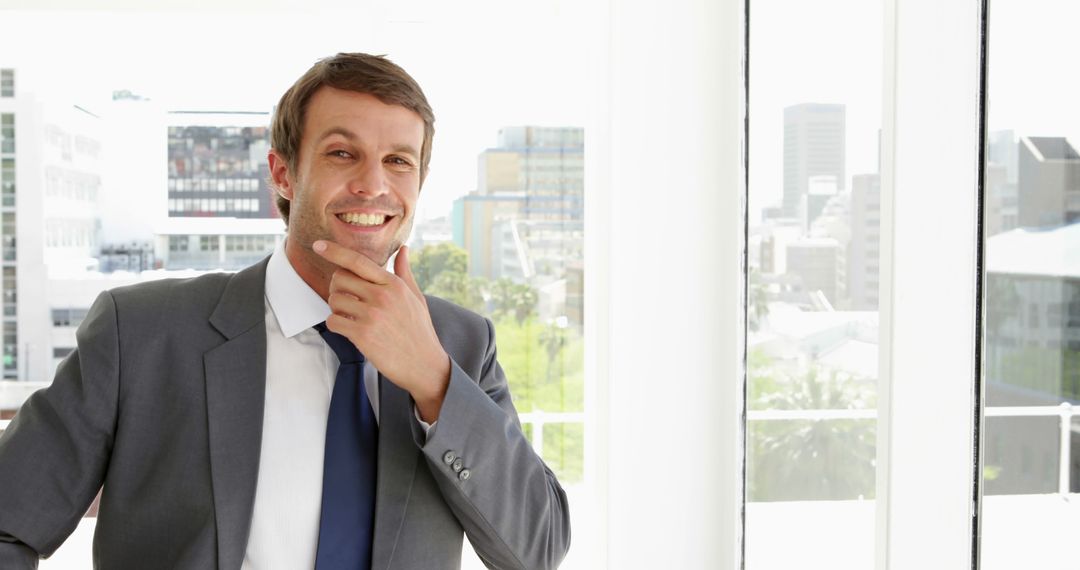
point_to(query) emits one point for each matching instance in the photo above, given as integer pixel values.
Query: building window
(7, 181)
(178, 243)
(7, 82)
(68, 317)
(208, 243)
(7, 132)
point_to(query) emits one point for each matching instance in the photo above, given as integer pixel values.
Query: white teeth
(363, 219)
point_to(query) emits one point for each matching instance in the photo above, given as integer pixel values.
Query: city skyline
(473, 89)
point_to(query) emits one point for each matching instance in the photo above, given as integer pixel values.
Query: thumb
(402, 270)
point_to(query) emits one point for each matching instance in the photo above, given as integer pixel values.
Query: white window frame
(665, 314)
(928, 398)
(665, 252)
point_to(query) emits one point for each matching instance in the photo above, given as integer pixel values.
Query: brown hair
(359, 72)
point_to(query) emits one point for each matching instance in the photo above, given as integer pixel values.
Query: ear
(279, 173)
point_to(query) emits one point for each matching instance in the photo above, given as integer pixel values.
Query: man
(230, 421)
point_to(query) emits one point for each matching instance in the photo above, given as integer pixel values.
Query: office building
(51, 180)
(217, 165)
(1032, 347)
(864, 250)
(1048, 192)
(534, 177)
(814, 136)
(818, 266)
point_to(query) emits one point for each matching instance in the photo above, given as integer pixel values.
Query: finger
(346, 282)
(404, 271)
(356, 262)
(345, 305)
(343, 326)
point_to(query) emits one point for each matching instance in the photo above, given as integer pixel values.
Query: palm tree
(511, 298)
(818, 459)
(553, 339)
(757, 301)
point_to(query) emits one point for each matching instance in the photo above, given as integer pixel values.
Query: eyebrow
(352, 137)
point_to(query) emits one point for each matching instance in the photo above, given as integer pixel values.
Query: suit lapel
(397, 464)
(235, 396)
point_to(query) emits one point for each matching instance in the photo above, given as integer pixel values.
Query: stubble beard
(306, 227)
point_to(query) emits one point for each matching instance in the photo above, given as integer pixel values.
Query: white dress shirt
(300, 373)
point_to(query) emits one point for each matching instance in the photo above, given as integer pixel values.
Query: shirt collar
(296, 305)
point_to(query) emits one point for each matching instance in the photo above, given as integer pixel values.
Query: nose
(369, 179)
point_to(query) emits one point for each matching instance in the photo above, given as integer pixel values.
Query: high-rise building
(775, 234)
(1048, 192)
(218, 165)
(8, 229)
(526, 219)
(864, 250)
(51, 165)
(221, 213)
(1001, 200)
(814, 135)
(529, 207)
(818, 265)
(820, 190)
(474, 222)
(1002, 149)
(546, 166)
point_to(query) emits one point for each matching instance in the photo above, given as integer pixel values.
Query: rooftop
(1052, 148)
(1053, 252)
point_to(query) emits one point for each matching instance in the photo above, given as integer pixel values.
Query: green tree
(544, 364)
(432, 260)
(545, 376)
(758, 301)
(553, 339)
(825, 459)
(442, 270)
(1002, 303)
(515, 299)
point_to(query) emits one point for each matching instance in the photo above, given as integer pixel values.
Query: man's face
(357, 176)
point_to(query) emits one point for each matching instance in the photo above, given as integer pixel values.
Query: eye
(338, 153)
(399, 161)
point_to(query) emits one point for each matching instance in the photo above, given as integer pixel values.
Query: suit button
(449, 457)
(464, 475)
(458, 465)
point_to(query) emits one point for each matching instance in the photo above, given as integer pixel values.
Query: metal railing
(1064, 412)
(538, 419)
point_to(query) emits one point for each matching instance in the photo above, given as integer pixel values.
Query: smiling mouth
(363, 220)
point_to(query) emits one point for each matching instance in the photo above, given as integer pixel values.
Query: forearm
(510, 504)
(15, 555)
(54, 454)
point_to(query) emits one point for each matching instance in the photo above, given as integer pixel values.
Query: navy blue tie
(347, 523)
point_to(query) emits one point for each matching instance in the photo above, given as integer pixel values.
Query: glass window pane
(190, 136)
(1031, 371)
(813, 296)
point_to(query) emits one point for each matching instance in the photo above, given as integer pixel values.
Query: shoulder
(161, 294)
(456, 322)
(236, 297)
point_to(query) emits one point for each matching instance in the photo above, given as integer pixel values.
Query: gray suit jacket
(162, 404)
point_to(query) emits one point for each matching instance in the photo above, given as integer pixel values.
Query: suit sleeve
(510, 504)
(54, 454)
